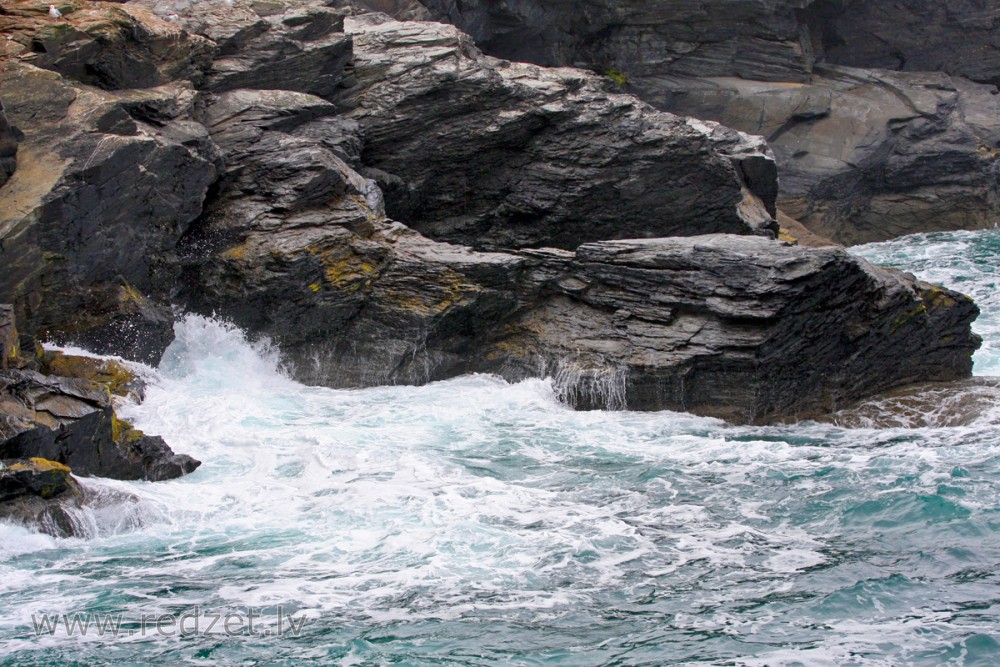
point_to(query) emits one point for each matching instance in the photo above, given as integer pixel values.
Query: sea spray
(479, 522)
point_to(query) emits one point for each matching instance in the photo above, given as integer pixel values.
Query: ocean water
(475, 522)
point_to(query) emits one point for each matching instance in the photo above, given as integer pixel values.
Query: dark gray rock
(111, 46)
(8, 147)
(757, 39)
(741, 328)
(958, 37)
(9, 342)
(43, 495)
(493, 154)
(272, 46)
(33, 477)
(71, 421)
(864, 155)
(98, 199)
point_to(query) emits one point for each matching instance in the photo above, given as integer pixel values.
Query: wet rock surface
(43, 495)
(268, 183)
(65, 414)
(71, 421)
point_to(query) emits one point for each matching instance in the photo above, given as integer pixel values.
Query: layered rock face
(958, 37)
(288, 219)
(864, 154)
(495, 154)
(59, 407)
(754, 39)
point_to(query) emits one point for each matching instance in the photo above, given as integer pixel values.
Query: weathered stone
(34, 477)
(741, 328)
(864, 155)
(8, 147)
(756, 39)
(958, 37)
(71, 421)
(99, 196)
(116, 376)
(9, 348)
(103, 44)
(492, 154)
(285, 46)
(44, 496)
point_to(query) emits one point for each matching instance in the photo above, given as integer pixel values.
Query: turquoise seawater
(475, 522)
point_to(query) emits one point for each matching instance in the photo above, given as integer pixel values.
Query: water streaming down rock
(476, 517)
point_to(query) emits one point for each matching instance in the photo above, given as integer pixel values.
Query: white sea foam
(478, 517)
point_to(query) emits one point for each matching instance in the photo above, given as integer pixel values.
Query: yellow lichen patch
(130, 294)
(620, 78)
(236, 253)
(345, 270)
(987, 153)
(114, 375)
(907, 316)
(315, 287)
(122, 432)
(786, 236)
(38, 464)
(41, 465)
(449, 289)
(937, 298)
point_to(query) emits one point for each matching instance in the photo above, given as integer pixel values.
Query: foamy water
(475, 522)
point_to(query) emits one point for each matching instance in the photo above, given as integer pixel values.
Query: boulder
(71, 421)
(34, 477)
(493, 154)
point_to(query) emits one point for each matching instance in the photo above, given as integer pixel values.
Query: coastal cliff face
(882, 116)
(390, 205)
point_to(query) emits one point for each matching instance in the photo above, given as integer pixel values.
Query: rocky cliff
(901, 140)
(391, 205)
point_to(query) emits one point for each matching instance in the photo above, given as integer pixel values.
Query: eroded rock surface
(268, 186)
(883, 148)
(493, 154)
(864, 155)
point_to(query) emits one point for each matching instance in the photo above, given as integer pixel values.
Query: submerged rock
(43, 495)
(970, 402)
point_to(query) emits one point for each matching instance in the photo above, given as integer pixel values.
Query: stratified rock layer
(755, 39)
(493, 154)
(263, 205)
(864, 154)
